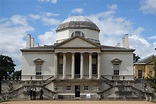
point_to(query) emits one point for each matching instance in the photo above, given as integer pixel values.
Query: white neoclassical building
(77, 62)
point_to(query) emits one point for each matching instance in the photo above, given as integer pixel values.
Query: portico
(77, 65)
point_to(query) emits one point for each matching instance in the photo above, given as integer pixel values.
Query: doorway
(77, 90)
(77, 65)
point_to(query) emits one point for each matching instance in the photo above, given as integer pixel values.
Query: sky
(40, 18)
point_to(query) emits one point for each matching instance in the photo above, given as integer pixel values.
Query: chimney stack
(37, 44)
(123, 42)
(28, 44)
(126, 41)
(32, 42)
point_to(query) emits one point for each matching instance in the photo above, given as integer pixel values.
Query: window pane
(68, 88)
(38, 69)
(86, 88)
(94, 69)
(60, 68)
(139, 73)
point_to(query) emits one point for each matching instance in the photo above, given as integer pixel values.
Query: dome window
(77, 33)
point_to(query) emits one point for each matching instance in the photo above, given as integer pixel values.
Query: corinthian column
(73, 66)
(90, 65)
(55, 57)
(81, 66)
(64, 65)
(99, 64)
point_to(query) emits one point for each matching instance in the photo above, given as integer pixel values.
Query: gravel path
(77, 102)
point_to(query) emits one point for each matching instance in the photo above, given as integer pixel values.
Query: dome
(77, 22)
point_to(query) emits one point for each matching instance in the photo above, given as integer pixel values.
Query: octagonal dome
(77, 22)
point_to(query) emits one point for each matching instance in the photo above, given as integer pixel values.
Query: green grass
(154, 100)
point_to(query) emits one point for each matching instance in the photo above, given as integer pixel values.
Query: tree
(153, 79)
(17, 74)
(6, 67)
(135, 57)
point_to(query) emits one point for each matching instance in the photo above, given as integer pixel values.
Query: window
(116, 72)
(38, 69)
(86, 88)
(116, 68)
(77, 33)
(139, 73)
(60, 69)
(68, 88)
(94, 69)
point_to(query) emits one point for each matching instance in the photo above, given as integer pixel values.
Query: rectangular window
(68, 88)
(94, 69)
(38, 69)
(139, 73)
(86, 88)
(116, 72)
(116, 68)
(60, 69)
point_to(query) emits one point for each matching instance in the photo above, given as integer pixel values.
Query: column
(90, 65)
(99, 63)
(81, 66)
(64, 65)
(73, 67)
(55, 64)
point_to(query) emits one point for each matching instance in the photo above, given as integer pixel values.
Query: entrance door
(77, 65)
(77, 90)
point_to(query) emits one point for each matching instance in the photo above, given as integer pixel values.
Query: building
(145, 67)
(77, 60)
(77, 65)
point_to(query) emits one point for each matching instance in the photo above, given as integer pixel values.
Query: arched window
(77, 33)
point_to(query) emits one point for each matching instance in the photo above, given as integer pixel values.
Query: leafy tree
(6, 67)
(17, 74)
(153, 79)
(135, 57)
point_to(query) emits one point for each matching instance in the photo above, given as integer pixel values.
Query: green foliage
(6, 66)
(135, 57)
(17, 74)
(153, 79)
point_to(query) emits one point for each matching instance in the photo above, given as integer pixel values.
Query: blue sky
(40, 18)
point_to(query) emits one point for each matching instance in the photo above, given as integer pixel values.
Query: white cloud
(46, 18)
(48, 38)
(152, 37)
(113, 29)
(51, 21)
(49, 14)
(148, 6)
(19, 20)
(77, 10)
(113, 6)
(12, 32)
(52, 1)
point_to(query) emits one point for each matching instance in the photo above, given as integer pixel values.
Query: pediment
(116, 60)
(77, 42)
(38, 60)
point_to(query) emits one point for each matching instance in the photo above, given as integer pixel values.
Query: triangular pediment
(78, 42)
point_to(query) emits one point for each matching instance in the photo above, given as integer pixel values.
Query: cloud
(152, 37)
(77, 10)
(148, 6)
(113, 28)
(13, 30)
(48, 38)
(46, 18)
(52, 1)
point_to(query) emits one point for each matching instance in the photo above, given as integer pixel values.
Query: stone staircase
(22, 92)
(122, 90)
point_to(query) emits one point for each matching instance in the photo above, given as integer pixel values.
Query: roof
(51, 48)
(147, 59)
(77, 22)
